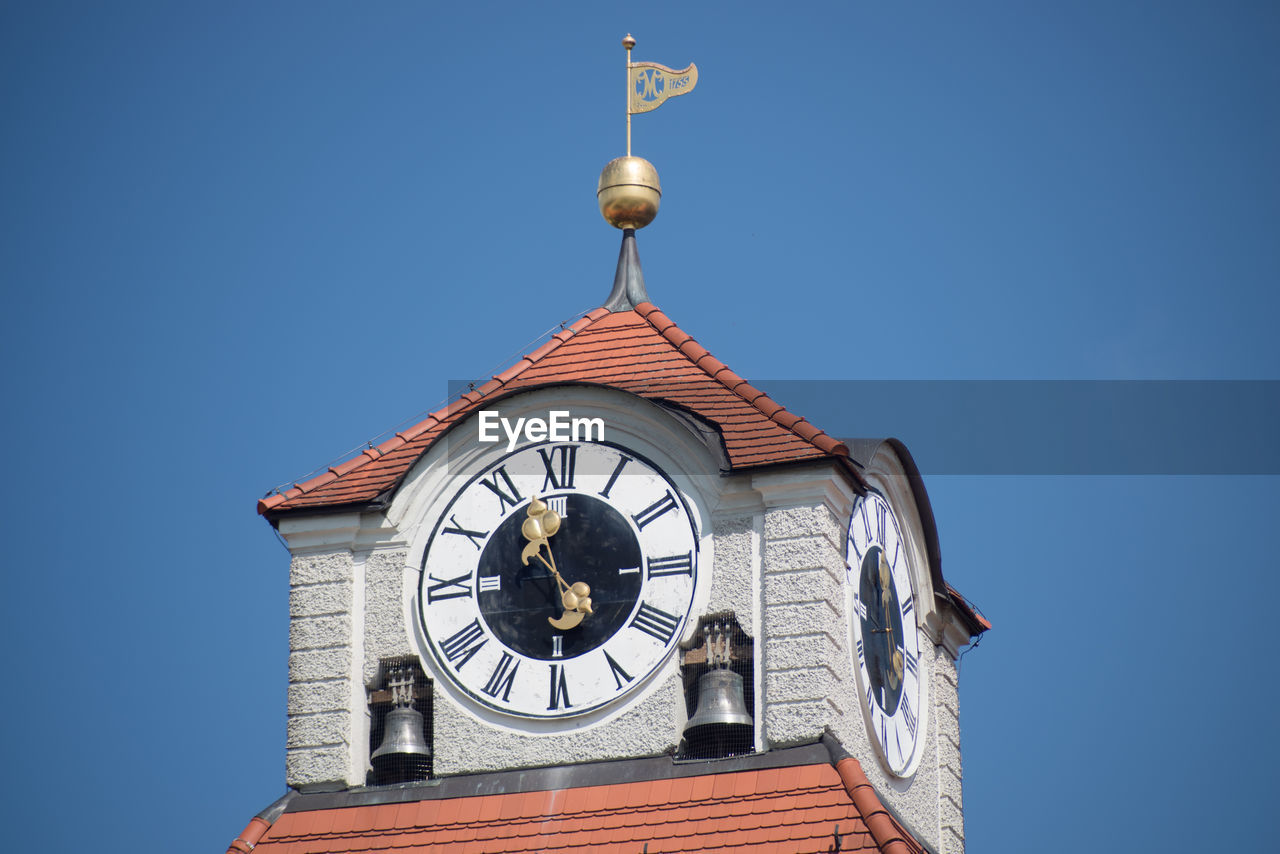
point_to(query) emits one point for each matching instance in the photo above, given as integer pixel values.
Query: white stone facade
(774, 544)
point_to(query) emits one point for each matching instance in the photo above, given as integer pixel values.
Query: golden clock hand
(541, 524)
(576, 596)
(886, 596)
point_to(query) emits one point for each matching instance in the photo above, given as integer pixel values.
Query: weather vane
(649, 85)
(629, 192)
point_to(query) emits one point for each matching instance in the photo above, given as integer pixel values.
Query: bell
(404, 755)
(720, 702)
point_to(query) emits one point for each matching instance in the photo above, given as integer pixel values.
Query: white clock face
(557, 606)
(885, 640)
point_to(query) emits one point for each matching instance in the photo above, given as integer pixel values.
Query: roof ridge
(720, 372)
(260, 824)
(440, 417)
(889, 836)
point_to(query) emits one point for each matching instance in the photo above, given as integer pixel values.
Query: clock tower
(541, 576)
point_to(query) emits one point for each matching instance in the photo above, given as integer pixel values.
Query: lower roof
(804, 799)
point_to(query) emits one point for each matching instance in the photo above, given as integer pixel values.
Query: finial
(629, 192)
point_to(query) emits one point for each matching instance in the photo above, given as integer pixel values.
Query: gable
(642, 352)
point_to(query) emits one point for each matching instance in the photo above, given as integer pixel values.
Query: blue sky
(237, 240)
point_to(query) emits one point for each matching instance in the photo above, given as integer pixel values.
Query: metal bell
(720, 701)
(402, 734)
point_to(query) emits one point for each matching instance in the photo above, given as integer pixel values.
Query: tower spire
(628, 192)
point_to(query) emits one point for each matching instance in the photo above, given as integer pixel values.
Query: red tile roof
(640, 351)
(792, 809)
(978, 623)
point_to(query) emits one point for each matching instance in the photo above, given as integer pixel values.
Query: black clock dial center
(881, 632)
(594, 545)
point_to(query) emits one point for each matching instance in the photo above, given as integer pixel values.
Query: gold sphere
(629, 192)
(628, 42)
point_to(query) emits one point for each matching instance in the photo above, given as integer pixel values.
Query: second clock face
(558, 579)
(886, 642)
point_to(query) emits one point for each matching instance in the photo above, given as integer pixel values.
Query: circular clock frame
(884, 633)
(625, 530)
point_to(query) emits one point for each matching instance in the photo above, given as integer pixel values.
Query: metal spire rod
(628, 42)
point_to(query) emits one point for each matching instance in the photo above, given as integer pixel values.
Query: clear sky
(239, 239)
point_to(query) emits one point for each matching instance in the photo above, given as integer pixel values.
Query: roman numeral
(444, 588)
(908, 716)
(559, 689)
(490, 583)
(568, 456)
(866, 522)
(859, 606)
(557, 646)
(673, 565)
(881, 510)
(907, 604)
(912, 663)
(513, 497)
(860, 659)
(620, 676)
(461, 646)
(613, 478)
(503, 675)
(655, 622)
(476, 537)
(663, 505)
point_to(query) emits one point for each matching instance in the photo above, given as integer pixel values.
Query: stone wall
(321, 717)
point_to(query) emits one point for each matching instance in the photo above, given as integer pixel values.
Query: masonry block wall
(320, 724)
(804, 639)
(946, 710)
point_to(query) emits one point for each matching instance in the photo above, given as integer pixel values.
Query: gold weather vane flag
(649, 85)
(652, 84)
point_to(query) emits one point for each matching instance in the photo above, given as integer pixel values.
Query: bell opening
(400, 725)
(719, 691)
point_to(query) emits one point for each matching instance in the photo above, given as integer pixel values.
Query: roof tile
(640, 351)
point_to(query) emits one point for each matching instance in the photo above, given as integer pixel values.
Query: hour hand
(895, 668)
(567, 620)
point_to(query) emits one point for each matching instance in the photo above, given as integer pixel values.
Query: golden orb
(629, 192)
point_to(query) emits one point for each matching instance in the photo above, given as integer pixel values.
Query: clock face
(558, 579)
(885, 639)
